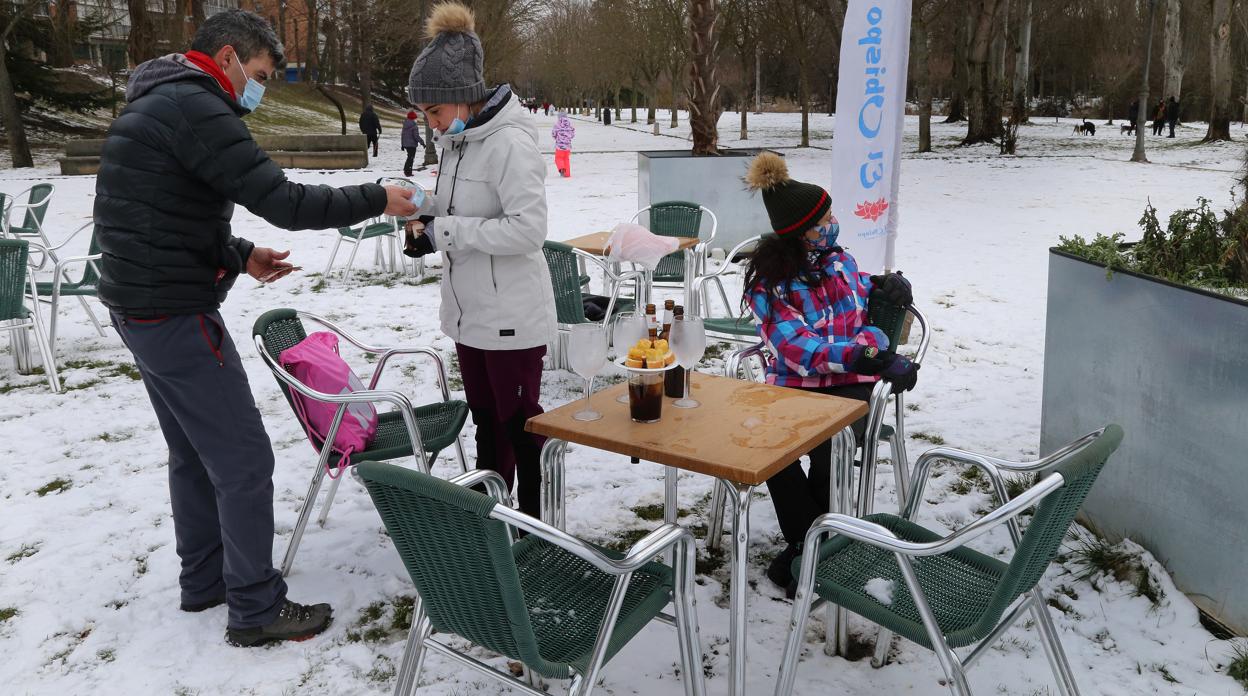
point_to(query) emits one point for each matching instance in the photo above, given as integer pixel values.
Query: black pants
(411, 158)
(220, 462)
(502, 389)
(1157, 126)
(798, 498)
(1172, 124)
(373, 140)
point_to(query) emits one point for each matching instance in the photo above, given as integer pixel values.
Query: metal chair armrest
(71, 236)
(869, 533)
(44, 254)
(492, 480)
(606, 267)
(641, 553)
(430, 352)
(926, 339)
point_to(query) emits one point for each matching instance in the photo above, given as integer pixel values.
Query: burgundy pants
(503, 387)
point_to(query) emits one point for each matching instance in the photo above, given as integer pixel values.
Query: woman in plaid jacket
(809, 301)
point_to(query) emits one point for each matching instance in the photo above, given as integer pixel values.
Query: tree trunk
(803, 95)
(961, 46)
(431, 153)
(11, 115)
(617, 102)
(360, 52)
(1172, 61)
(633, 89)
(1022, 68)
(342, 114)
(703, 94)
(281, 22)
(63, 24)
(1220, 72)
(142, 41)
(923, 80)
(745, 107)
(311, 57)
(983, 107)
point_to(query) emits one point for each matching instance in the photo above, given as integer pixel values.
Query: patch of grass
(709, 561)
(116, 437)
(1165, 673)
(912, 407)
(106, 655)
(7, 613)
(56, 485)
(650, 513)
(455, 378)
(1017, 485)
(1099, 556)
(26, 551)
(1237, 669)
(716, 350)
(319, 285)
(429, 280)
(624, 540)
(373, 626)
(928, 437)
(140, 566)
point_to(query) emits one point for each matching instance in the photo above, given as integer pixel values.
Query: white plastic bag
(632, 243)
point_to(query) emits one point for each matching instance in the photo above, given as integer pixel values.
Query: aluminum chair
(38, 198)
(563, 263)
(736, 325)
(558, 605)
(62, 285)
(16, 282)
(891, 319)
(420, 432)
(680, 219)
(944, 595)
(384, 229)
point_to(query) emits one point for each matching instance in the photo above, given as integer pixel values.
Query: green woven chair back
(1053, 517)
(280, 329)
(91, 272)
(566, 279)
(459, 559)
(674, 219)
(5, 200)
(887, 317)
(13, 254)
(34, 215)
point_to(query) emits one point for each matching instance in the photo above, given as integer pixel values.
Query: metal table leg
(552, 501)
(840, 500)
(740, 494)
(671, 506)
(19, 341)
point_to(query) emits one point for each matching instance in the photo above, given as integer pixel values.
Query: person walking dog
(175, 163)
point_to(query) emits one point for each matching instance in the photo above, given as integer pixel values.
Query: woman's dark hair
(777, 261)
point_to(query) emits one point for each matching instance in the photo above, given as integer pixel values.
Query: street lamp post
(1141, 117)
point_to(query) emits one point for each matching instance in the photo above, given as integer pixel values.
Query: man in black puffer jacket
(175, 163)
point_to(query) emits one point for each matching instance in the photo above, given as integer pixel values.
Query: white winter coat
(491, 203)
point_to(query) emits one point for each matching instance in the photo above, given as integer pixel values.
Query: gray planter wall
(1170, 365)
(714, 182)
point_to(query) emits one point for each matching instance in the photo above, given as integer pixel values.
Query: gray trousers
(220, 462)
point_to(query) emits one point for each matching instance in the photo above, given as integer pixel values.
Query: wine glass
(587, 353)
(630, 329)
(689, 343)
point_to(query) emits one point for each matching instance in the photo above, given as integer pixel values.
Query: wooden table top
(596, 243)
(743, 432)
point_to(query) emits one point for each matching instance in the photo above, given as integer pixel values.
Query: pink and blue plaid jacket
(810, 330)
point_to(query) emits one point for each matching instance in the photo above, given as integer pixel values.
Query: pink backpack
(315, 362)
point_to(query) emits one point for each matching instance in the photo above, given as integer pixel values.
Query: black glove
(865, 360)
(417, 245)
(899, 370)
(893, 288)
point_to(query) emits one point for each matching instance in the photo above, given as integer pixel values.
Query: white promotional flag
(870, 112)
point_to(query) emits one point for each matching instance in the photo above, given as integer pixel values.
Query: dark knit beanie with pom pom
(792, 206)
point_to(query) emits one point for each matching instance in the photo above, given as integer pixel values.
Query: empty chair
(64, 285)
(16, 282)
(568, 283)
(930, 588)
(679, 219)
(560, 606)
(32, 211)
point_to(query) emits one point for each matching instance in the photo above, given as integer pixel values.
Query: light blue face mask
(252, 93)
(827, 236)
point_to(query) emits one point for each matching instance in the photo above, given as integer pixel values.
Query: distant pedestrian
(1172, 115)
(546, 108)
(1159, 116)
(1134, 111)
(370, 126)
(563, 132)
(411, 141)
(606, 116)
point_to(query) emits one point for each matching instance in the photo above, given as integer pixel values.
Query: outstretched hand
(266, 265)
(399, 201)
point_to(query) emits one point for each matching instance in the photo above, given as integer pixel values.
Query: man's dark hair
(249, 34)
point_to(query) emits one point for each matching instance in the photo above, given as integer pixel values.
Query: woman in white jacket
(497, 301)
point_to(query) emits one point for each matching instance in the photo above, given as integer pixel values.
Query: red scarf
(208, 65)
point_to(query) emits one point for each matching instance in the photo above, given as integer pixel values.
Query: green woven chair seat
(438, 424)
(671, 269)
(886, 431)
(376, 229)
(743, 326)
(961, 586)
(67, 289)
(567, 598)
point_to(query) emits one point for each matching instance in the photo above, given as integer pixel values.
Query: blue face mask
(827, 236)
(252, 93)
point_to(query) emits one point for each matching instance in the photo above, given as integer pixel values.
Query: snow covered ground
(88, 573)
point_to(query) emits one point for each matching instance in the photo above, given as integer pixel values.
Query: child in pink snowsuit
(562, 133)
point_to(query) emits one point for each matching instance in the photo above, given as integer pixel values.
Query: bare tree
(10, 114)
(1221, 71)
(961, 69)
(1019, 112)
(704, 108)
(142, 41)
(982, 99)
(925, 13)
(1172, 57)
